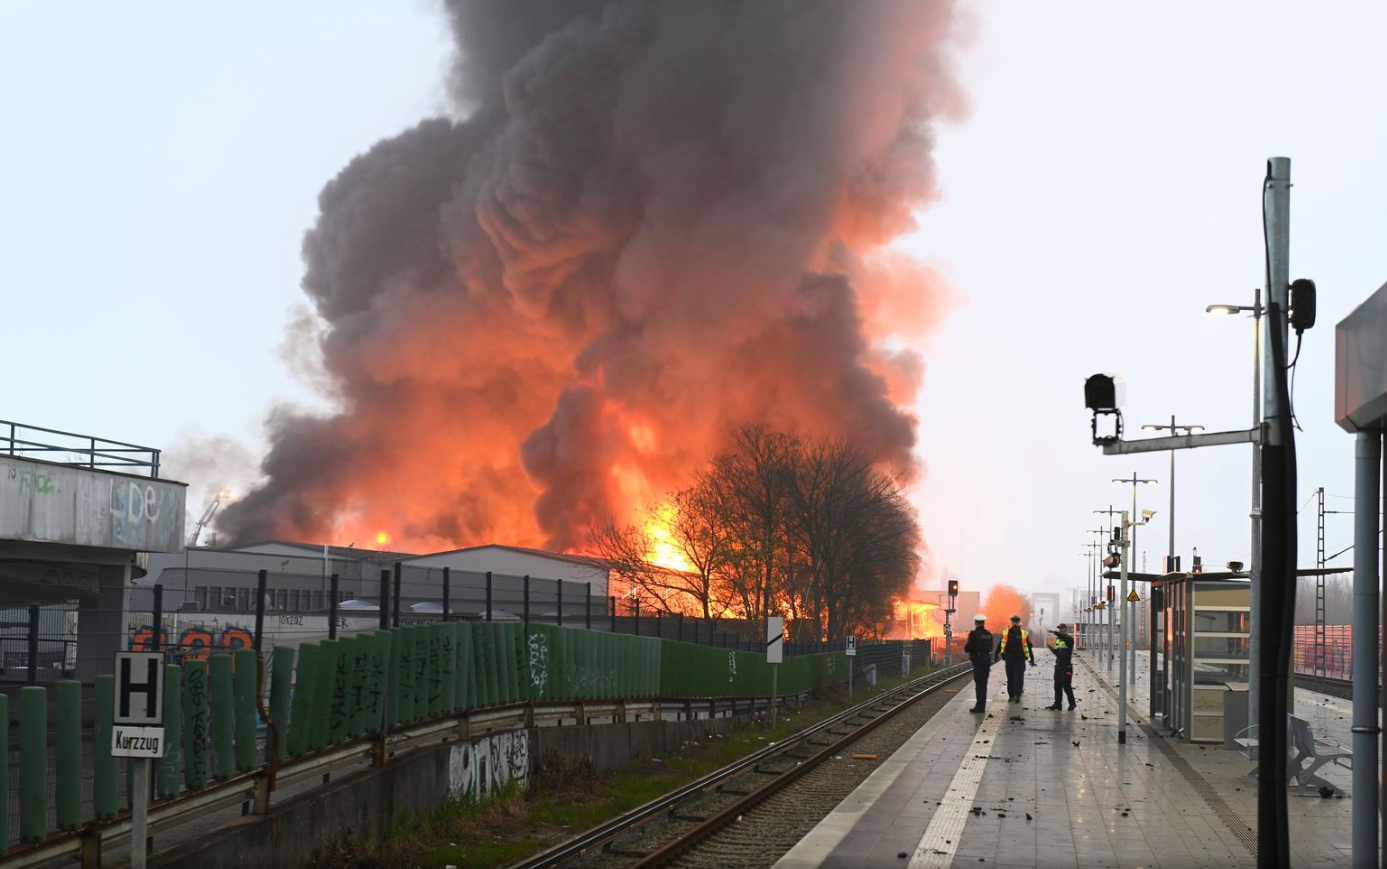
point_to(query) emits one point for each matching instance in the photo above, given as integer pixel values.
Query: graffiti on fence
(483, 766)
(194, 643)
(539, 662)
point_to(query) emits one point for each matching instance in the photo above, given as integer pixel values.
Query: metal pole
(775, 670)
(399, 581)
(1122, 671)
(331, 609)
(32, 677)
(447, 592)
(159, 617)
(1366, 493)
(525, 594)
(1255, 560)
(261, 581)
(139, 813)
(587, 611)
(488, 595)
(561, 603)
(384, 600)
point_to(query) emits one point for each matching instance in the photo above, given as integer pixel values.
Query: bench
(1312, 751)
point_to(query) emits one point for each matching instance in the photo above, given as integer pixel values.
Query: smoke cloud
(654, 221)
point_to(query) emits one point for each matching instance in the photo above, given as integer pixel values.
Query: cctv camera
(1147, 514)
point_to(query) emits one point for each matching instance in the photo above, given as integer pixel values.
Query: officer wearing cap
(1016, 651)
(979, 652)
(1062, 647)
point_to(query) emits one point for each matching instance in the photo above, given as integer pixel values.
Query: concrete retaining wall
(415, 785)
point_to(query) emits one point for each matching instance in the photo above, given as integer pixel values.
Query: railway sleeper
(692, 819)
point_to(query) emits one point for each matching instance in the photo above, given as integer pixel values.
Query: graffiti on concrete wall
(483, 766)
(194, 643)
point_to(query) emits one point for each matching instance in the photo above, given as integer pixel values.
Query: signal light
(1198, 565)
(1112, 561)
(953, 588)
(1111, 594)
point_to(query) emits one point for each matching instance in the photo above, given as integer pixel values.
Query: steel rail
(606, 833)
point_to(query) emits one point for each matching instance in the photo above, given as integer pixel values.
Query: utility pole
(1125, 543)
(1129, 609)
(1107, 604)
(1276, 591)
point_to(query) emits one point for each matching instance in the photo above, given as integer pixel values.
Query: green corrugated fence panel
(422, 673)
(339, 701)
(197, 726)
(320, 703)
(466, 679)
(508, 650)
(173, 742)
(281, 686)
(448, 656)
(504, 665)
(33, 763)
(223, 719)
(392, 678)
(105, 771)
(434, 705)
(301, 704)
(245, 661)
(358, 683)
(404, 638)
(67, 750)
(381, 689)
(520, 655)
(488, 662)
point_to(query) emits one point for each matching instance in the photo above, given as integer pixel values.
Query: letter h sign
(139, 688)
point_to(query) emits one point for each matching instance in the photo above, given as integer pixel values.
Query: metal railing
(87, 451)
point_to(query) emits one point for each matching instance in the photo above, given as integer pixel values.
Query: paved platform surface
(1022, 786)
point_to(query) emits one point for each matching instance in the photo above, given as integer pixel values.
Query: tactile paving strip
(940, 841)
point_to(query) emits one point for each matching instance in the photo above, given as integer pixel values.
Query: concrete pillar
(101, 624)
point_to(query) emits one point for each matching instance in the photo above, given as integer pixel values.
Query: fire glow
(554, 311)
(917, 620)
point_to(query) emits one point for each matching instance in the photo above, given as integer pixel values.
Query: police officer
(979, 651)
(1016, 651)
(1062, 646)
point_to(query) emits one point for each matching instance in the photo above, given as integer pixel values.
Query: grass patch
(565, 798)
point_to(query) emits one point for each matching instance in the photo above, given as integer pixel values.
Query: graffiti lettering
(291, 620)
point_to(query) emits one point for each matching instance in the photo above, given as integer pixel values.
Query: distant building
(1045, 610)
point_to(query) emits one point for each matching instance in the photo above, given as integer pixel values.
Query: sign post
(775, 651)
(852, 653)
(139, 734)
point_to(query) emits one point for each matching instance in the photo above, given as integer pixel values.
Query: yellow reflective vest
(1025, 643)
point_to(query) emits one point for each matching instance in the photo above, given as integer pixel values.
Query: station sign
(137, 741)
(139, 688)
(775, 639)
(852, 645)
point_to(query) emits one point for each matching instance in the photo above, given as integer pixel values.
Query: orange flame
(917, 620)
(382, 538)
(659, 535)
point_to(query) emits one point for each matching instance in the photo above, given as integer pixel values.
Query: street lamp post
(1129, 608)
(1128, 536)
(1255, 559)
(1108, 605)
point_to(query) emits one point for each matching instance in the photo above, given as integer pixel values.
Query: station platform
(1022, 786)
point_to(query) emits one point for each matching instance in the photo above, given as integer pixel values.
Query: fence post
(5, 771)
(526, 593)
(105, 771)
(223, 717)
(399, 581)
(384, 606)
(262, 579)
(659, 624)
(638, 617)
(488, 595)
(561, 603)
(32, 678)
(158, 617)
(331, 613)
(447, 591)
(611, 619)
(680, 635)
(67, 750)
(587, 610)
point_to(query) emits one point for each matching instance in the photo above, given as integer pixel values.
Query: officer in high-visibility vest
(1063, 648)
(1016, 651)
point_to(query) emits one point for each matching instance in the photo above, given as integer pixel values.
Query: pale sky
(161, 163)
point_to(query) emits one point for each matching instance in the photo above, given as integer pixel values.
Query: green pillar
(106, 772)
(197, 724)
(447, 657)
(380, 692)
(281, 686)
(422, 673)
(360, 685)
(404, 638)
(339, 702)
(5, 772)
(173, 741)
(223, 734)
(67, 786)
(245, 708)
(323, 676)
(301, 705)
(33, 763)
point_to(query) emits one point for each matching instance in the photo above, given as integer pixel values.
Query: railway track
(751, 812)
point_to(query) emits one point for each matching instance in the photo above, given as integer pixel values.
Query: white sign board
(775, 639)
(137, 741)
(852, 645)
(140, 689)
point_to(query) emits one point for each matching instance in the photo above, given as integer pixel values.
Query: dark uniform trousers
(1064, 682)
